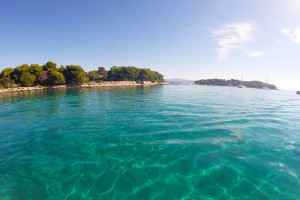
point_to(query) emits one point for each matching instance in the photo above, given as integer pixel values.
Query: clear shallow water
(167, 142)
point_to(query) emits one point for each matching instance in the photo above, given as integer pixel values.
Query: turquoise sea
(164, 142)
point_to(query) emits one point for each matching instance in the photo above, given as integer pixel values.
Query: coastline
(85, 85)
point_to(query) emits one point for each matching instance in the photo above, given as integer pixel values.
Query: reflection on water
(165, 142)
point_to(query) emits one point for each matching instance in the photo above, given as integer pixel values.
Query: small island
(36, 77)
(235, 83)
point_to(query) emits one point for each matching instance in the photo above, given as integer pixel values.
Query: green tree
(49, 66)
(5, 82)
(18, 71)
(130, 73)
(161, 78)
(102, 72)
(25, 68)
(27, 79)
(36, 69)
(115, 74)
(56, 78)
(74, 74)
(61, 69)
(157, 77)
(144, 75)
(93, 75)
(16, 74)
(134, 74)
(6, 72)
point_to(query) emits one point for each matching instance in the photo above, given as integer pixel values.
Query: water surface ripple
(166, 142)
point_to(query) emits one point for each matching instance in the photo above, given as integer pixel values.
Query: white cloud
(294, 35)
(231, 36)
(254, 54)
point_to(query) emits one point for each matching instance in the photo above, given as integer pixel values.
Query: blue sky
(192, 39)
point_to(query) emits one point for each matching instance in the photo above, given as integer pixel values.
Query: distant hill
(179, 81)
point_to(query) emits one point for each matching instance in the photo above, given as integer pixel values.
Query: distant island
(235, 83)
(179, 81)
(50, 75)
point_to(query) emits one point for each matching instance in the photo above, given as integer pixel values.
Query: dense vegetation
(234, 82)
(134, 74)
(49, 75)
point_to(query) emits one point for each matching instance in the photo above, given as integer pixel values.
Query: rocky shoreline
(86, 85)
